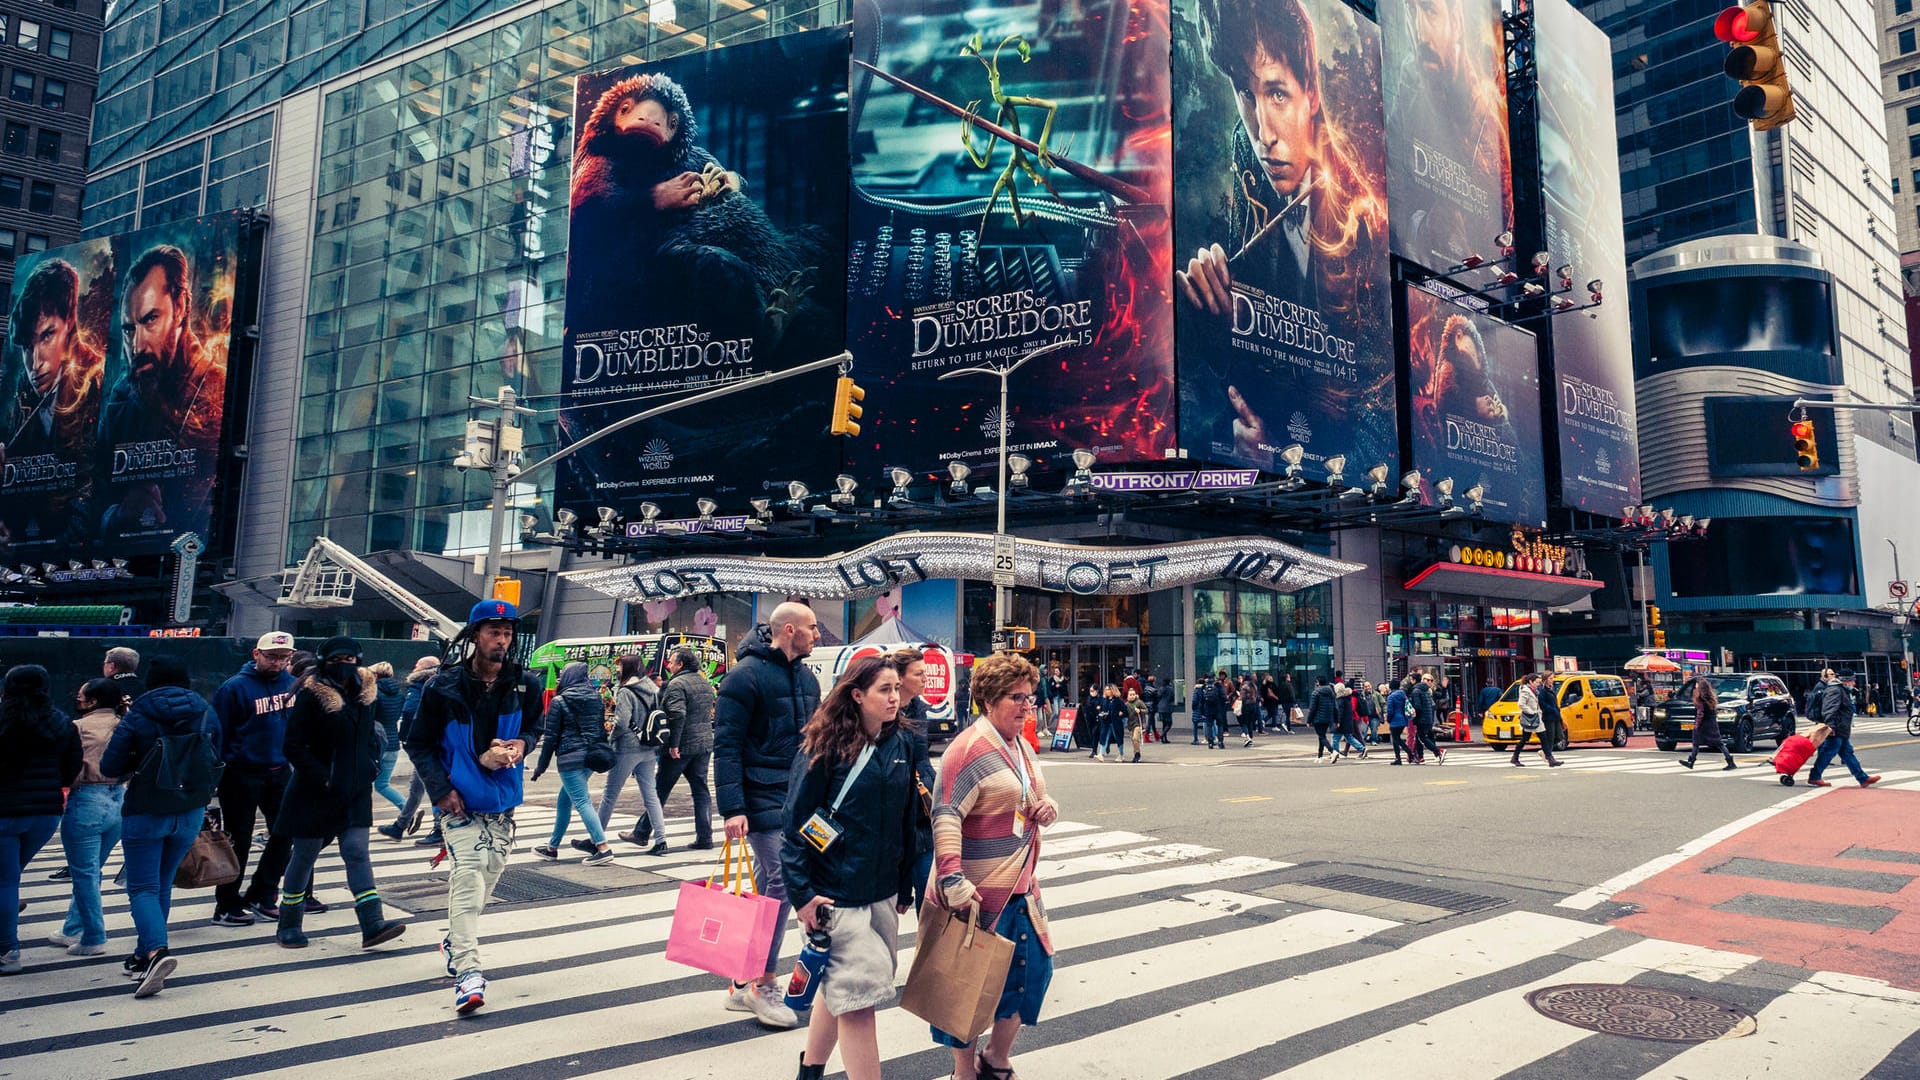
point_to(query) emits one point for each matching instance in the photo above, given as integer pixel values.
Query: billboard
(1580, 177)
(116, 365)
(1285, 330)
(1713, 316)
(1474, 387)
(707, 245)
(1450, 172)
(60, 326)
(1011, 168)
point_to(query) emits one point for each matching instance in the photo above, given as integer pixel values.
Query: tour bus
(947, 679)
(602, 657)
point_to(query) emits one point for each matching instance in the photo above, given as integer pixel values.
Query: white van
(946, 690)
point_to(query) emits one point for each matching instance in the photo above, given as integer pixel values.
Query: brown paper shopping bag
(959, 971)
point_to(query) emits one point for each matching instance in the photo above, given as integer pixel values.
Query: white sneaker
(77, 949)
(768, 1007)
(737, 996)
(62, 940)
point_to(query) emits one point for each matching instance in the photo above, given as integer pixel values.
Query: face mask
(341, 674)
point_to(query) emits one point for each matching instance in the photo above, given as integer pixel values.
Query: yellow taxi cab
(1592, 707)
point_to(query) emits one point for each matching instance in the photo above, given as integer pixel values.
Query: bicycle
(1913, 722)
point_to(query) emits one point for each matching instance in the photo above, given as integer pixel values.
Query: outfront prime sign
(910, 557)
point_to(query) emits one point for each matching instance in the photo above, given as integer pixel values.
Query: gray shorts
(864, 958)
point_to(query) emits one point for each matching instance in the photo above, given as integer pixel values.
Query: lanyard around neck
(859, 763)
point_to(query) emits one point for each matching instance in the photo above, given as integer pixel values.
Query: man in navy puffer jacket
(252, 707)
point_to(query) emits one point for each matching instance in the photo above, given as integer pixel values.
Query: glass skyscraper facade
(435, 257)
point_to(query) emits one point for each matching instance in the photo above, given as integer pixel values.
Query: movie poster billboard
(1450, 172)
(163, 404)
(706, 246)
(60, 324)
(1580, 176)
(1285, 326)
(1474, 388)
(1011, 168)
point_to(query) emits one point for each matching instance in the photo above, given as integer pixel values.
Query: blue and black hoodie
(458, 720)
(252, 707)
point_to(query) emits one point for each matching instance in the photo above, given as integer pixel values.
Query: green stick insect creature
(1007, 114)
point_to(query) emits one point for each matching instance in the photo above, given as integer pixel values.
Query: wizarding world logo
(990, 427)
(656, 456)
(1298, 427)
(1603, 464)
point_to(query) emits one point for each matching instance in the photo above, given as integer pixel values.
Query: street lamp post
(1904, 607)
(506, 443)
(1000, 592)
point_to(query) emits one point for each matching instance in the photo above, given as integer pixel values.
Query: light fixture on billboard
(1476, 497)
(1083, 460)
(1666, 518)
(1471, 262)
(1541, 262)
(120, 567)
(762, 513)
(75, 565)
(1594, 288)
(706, 508)
(1444, 489)
(902, 480)
(563, 522)
(1378, 474)
(1686, 523)
(1700, 526)
(1628, 513)
(97, 564)
(1507, 277)
(1292, 456)
(1410, 482)
(1017, 466)
(1565, 274)
(959, 471)
(528, 526)
(1561, 303)
(1336, 470)
(1504, 242)
(1533, 290)
(846, 486)
(797, 493)
(50, 569)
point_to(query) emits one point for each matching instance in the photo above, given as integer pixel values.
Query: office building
(48, 50)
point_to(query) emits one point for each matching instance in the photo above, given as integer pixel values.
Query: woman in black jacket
(39, 755)
(576, 732)
(333, 744)
(847, 854)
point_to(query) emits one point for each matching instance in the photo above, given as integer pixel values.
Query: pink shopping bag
(722, 926)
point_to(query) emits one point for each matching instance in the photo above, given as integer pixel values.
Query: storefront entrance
(1088, 662)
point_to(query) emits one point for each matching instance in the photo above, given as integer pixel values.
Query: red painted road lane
(1678, 904)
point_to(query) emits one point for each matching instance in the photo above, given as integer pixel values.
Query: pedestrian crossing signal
(1806, 450)
(845, 410)
(1765, 100)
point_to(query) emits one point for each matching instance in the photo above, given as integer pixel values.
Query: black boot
(810, 1072)
(374, 928)
(292, 910)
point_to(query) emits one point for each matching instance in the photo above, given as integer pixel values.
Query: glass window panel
(348, 501)
(10, 189)
(406, 355)
(389, 532)
(40, 200)
(366, 283)
(53, 94)
(397, 444)
(456, 301)
(309, 499)
(362, 324)
(28, 36)
(310, 457)
(21, 87)
(324, 22)
(255, 54)
(131, 36)
(354, 408)
(400, 399)
(356, 365)
(326, 292)
(447, 392)
(247, 189)
(393, 489)
(184, 85)
(322, 330)
(60, 44)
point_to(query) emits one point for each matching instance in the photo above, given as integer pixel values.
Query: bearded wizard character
(656, 218)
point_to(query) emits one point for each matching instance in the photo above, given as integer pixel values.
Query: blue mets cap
(492, 610)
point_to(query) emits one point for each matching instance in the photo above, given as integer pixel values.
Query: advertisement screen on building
(1011, 168)
(1740, 314)
(1769, 556)
(116, 375)
(1474, 386)
(1450, 173)
(1284, 324)
(1580, 176)
(707, 245)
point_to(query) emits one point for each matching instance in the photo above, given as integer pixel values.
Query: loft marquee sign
(910, 557)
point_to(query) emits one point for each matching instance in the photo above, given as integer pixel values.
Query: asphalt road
(1237, 914)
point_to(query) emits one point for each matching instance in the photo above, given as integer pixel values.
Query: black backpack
(1213, 699)
(649, 724)
(181, 772)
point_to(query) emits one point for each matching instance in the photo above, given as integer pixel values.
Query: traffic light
(845, 411)
(1659, 639)
(1765, 100)
(1806, 450)
(1653, 615)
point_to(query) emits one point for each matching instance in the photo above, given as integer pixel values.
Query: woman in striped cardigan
(990, 805)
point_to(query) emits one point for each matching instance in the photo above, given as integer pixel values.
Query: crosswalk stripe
(1076, 989)
(1490, 1036)
(1192, 1039)
(1830, 1026)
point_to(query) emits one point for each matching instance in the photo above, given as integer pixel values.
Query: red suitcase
(1792, 754)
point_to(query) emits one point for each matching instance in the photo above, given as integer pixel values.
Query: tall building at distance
(48, 52)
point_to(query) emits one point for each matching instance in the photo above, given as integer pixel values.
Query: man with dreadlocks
(477, 718)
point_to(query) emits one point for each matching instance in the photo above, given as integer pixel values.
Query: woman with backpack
(634, 701)
(576, 733)
(333, 744)
(39, 755)
(91, 828)
(847, 855)
(166, 802)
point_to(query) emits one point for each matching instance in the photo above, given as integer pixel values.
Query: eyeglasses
(1022, 699)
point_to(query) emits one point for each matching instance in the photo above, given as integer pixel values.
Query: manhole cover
(1641, 1012)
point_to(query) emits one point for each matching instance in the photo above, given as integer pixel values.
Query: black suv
(1753, 705)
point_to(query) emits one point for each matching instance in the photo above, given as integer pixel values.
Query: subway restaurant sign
(906, 558)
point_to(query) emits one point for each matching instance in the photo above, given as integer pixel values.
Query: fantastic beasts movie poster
(1451, 175)
(116, 388)
(1280, 228)
(1474, 386)
(707, 246)
(1011, 169)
